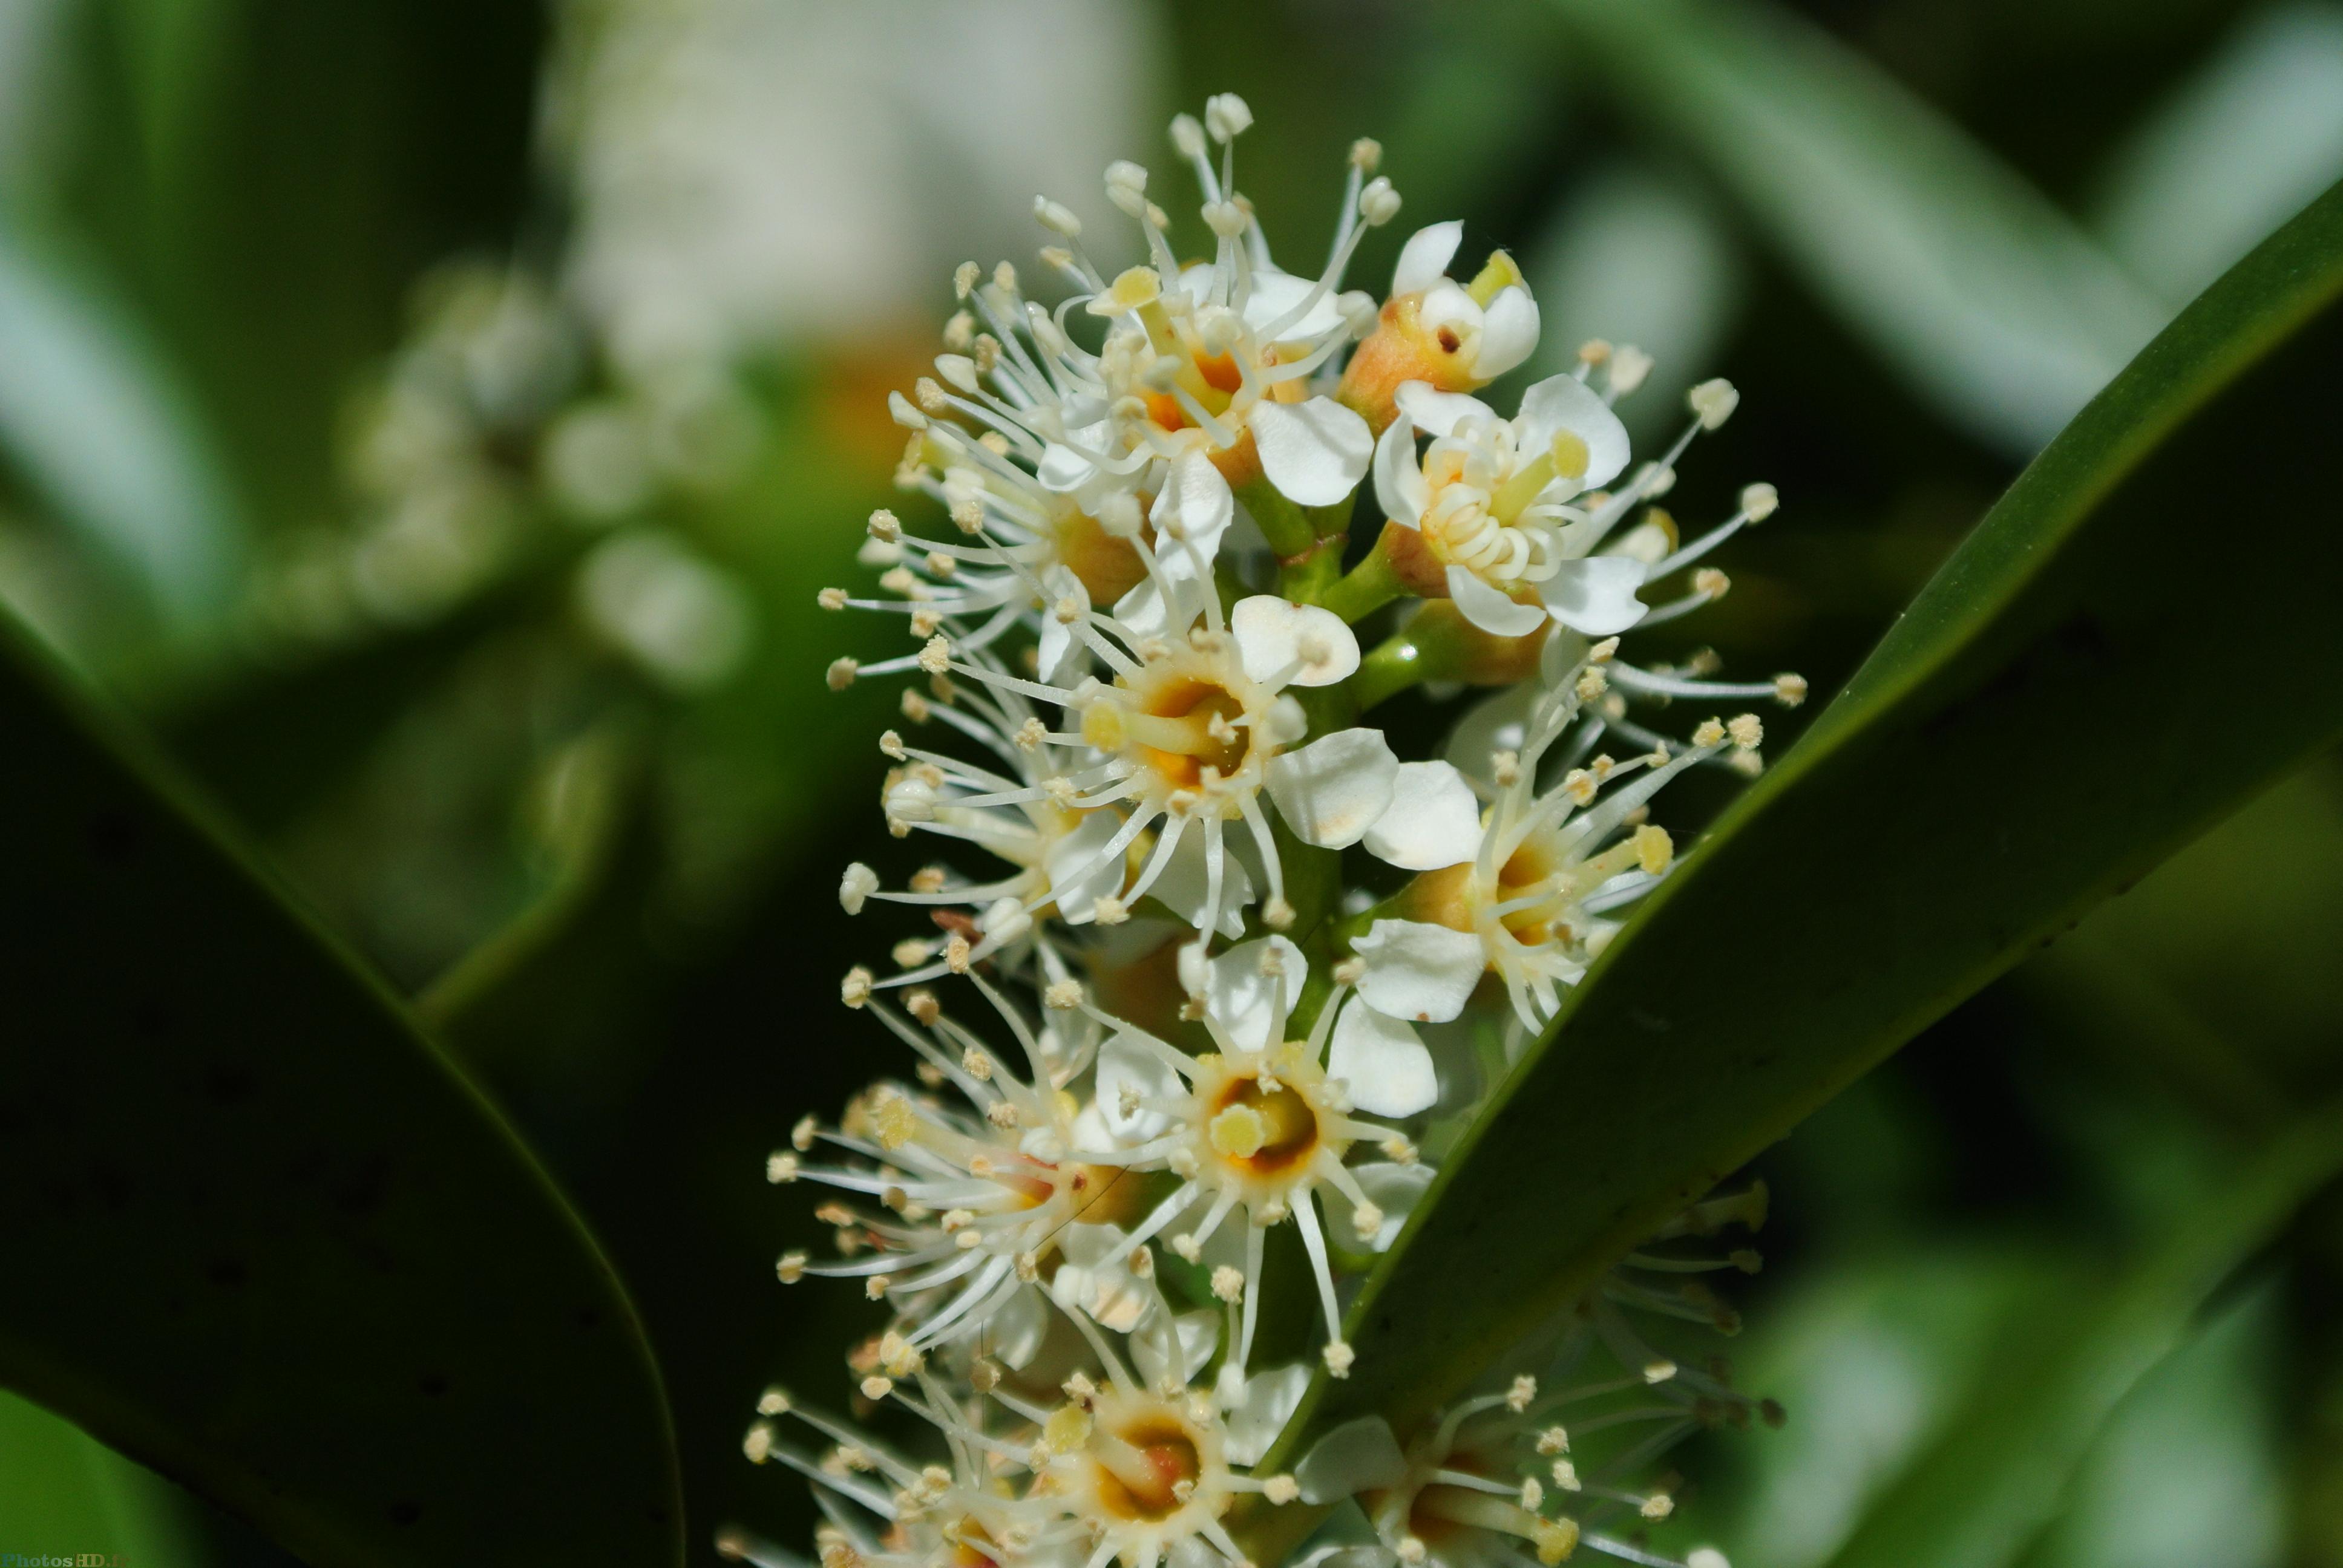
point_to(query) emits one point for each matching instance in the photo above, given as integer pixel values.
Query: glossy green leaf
(264, 1236)
(2090, 680)
(1985, 1488)
(1985, 298)
(64, 1493)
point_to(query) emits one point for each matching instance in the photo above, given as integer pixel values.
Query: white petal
(1271, 634)
(1424, 259)
(1394, 1189)
(1186, 879)
(1388, 1070)
(1509, 334)
(1078, 878)
(1438, 412)
(1331, 791)
(1357, 1456)
(1434, 820)
(1126, 1065)
(1315, 453)
(1065, 658)
(1446, 304)
(1267, 1402)
(1566, 402)
(1274, 296)
(1400, 489)
(1493, 724)
(1107, 1291)
(1492, 611)
(1015, 1332)
(1253, 986)
(1596, 597)
(1063, 469)
(1196, 502)
(1419, 970)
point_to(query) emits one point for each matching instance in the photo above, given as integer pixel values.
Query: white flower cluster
(1226, 962)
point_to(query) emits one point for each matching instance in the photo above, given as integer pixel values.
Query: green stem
(1282, 523)
(1372, 585)
(1393, 666)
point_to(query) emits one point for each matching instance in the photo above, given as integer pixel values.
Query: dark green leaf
(2092, 678)
(268, 1239)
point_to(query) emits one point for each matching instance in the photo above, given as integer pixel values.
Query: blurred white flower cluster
(1213, 974)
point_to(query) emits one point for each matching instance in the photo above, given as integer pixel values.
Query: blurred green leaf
(63, 1493)
(1985, 298)
(1981, 1493)
(298, 1262)
(2187, 1469)
(2236, 151)
(2029, 737)
(89, 410)
(1872, 1353)
(1635, 256)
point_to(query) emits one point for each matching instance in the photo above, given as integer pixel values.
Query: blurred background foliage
(436, 418)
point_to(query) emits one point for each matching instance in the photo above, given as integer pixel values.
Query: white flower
(1263, 1123)
(976, 1197)
(1194, 726)
(1457, 337)
(1493, 1474)
(1495, 321)
(1518, 890)
(1488, 506)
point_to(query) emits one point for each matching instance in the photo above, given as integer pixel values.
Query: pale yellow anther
(841, 673)
(1532, 1494)
(1110, 911)
(781, 1169)
(1789, 690)
(877, 1387)
(1714, 402)
(1748, 732)
(758, 1443)
(1710, 732)
(773, 1402)
(1554, 1440)
(929, 880)
(964, 278)
(1760, 501)
(802, 1135)
(1133, 288)
(1340, 1358)
(855, 989)
(1659, 1505)
(1711, 582)
(1603, 652)
(1565, 1474)
(898, 1122)
(1653, 848)
(1367, 1219)
(831, 598)
(1277, 914)
(936, 656)
(1228, 1284)
(922, 1005)
(956, 954)
(1518, 1397)
(1555, 1539)
(1281, 1489)
(791, 1267)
